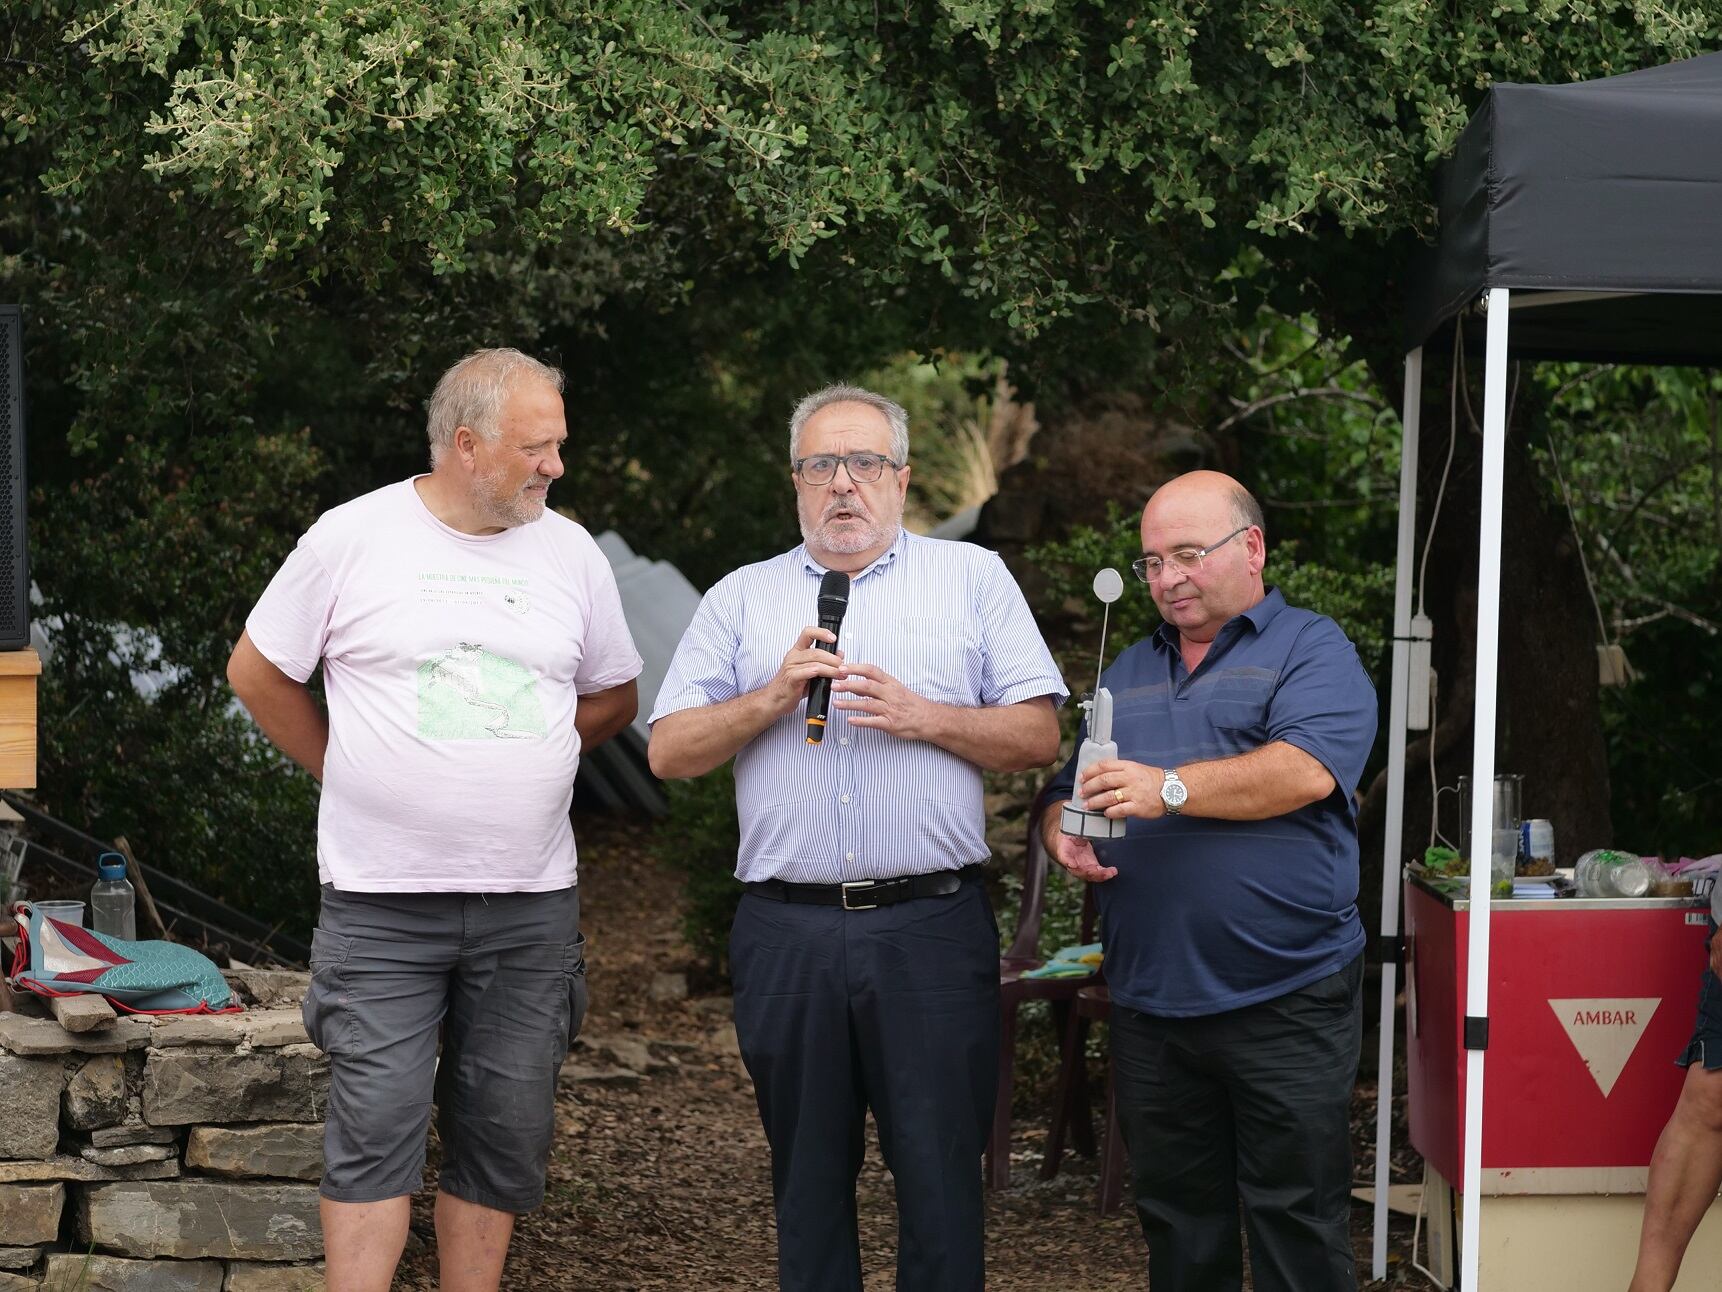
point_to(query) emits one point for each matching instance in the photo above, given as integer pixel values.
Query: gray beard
(849, 541)
(510, 511)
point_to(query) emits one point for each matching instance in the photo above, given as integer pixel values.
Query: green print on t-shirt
(467, 693)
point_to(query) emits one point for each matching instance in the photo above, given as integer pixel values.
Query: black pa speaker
(14, 553)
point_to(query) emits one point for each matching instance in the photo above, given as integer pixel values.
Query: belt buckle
(858, 883)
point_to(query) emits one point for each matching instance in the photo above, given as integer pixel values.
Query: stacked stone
(163, 1155)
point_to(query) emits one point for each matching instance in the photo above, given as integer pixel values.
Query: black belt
(865, 894)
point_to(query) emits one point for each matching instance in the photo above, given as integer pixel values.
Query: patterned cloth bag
(55, 958)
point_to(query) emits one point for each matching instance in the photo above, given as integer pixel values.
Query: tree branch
(1338, 393)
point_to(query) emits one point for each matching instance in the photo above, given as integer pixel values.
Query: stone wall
(164, 1155)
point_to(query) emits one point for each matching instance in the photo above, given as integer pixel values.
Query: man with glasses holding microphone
(864, 953)
(1228, 910)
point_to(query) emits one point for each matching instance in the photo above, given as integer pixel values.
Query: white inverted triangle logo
(1605, 1031)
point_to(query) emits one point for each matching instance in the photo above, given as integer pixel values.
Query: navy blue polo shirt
(1205, 915)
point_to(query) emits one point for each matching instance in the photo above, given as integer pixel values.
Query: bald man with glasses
(1228, 910)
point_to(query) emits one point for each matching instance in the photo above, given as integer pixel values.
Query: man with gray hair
(472, 645)
(864, 954)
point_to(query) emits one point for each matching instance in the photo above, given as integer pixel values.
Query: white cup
(65, 912)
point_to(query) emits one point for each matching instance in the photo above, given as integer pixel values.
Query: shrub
(699, 840)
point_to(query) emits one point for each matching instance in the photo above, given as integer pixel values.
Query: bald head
(1211, 487)
(1205, 532)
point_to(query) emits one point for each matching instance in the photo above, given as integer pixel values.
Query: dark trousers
(894, 1009)
(1249, 1106)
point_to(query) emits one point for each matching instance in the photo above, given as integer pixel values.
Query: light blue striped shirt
(946, 620)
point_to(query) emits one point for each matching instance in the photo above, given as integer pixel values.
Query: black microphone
(833, 601)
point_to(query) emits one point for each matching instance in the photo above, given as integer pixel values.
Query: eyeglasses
(1150, 568)
(863, 468)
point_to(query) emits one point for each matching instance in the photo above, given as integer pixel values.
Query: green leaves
(233, 222)
(988, 138)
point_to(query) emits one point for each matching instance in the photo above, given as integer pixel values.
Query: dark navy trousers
(1251, 1107)
(894, 1010)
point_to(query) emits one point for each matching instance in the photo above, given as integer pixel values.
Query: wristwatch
(1173, 792)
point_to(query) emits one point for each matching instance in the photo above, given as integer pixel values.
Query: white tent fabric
(658, 603)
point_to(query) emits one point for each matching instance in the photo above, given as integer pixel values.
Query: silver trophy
(1074, 819)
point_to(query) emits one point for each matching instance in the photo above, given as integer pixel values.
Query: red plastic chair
(1014, 989)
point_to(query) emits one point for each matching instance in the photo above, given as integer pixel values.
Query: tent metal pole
(1483, 772)
(1410, 420)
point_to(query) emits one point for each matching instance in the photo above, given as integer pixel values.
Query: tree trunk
(1548, 722)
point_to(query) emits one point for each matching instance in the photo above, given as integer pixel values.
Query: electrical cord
(1457, 389)
(1423, 564)
(1578, 538)
(1452, 443)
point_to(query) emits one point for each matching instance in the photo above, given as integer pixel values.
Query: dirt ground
(662, 1181)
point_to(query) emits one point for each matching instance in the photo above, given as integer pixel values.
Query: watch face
(1174, 792)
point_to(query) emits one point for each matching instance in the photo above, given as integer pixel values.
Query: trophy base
(1089, 825)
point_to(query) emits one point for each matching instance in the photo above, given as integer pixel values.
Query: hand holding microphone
(814, 657)
(869, 696)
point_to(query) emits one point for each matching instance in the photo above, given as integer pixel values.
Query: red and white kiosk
(1584, 222)
(1590, 1000)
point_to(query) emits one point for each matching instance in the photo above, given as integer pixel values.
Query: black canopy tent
(1585, 222)
(1606, 191)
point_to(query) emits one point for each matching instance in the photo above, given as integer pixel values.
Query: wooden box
(18, 672)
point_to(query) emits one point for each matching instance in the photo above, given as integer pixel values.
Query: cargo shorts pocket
(326, 1012)
(574, 976)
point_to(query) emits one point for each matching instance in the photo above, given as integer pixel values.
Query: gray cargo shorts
(503, 977)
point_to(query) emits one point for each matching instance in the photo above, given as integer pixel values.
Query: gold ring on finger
(1118, 796)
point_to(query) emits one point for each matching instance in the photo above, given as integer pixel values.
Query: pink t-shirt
(452, 665)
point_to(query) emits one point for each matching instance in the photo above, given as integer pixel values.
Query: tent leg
(1483, 763)
(1411, 421)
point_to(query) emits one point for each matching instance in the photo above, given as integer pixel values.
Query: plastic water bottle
(1605, 872)
(113, 904)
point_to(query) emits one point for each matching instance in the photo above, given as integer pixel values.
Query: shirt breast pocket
(938, 658)
(1240, 705)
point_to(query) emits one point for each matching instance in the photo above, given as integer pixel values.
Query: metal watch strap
(1174, 802)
